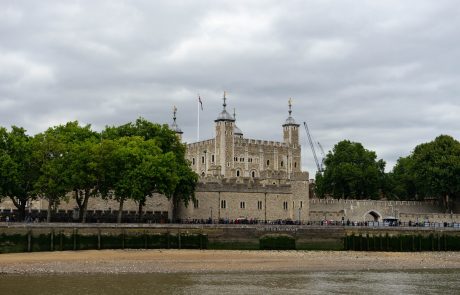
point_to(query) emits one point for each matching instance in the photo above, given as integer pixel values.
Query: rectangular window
(195, 204)
(242, 205)
(301, 204)
(235, 159)
(259, 205)
(223, 204)
(241, 159)
(202, 160)
(285, 205)
(212, 158)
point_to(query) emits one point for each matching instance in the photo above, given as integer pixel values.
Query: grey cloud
(381, 73)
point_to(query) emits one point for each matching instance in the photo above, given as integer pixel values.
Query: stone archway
(372, 215)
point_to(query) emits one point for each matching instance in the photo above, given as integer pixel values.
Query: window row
(223, 204)
(203, 159)
(236, 159)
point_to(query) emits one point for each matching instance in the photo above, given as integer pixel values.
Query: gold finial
(290, 106)
(234, 114)
(225, 94)
(290, 101)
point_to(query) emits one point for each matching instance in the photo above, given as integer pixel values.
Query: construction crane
(322, 154)
(318, 166)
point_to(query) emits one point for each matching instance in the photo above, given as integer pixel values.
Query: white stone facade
(247, 178)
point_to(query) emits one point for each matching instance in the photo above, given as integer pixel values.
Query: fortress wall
(248, 199)
(358, 210)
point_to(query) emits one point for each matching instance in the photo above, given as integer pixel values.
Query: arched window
(253, 174)
(295, 164)
(268, 162)
(193, 161)
(237, 173)
(282, 163)
(202, 174)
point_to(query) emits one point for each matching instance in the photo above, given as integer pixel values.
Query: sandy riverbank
(195, 261)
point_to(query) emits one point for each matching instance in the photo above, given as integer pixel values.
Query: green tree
(168, 142)
(82, 145)
(50, 154)
(134, 169)
(18, 171)
(403, 180)
(436, 166)
(351, 171)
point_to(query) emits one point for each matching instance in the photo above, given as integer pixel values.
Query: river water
(340, 282)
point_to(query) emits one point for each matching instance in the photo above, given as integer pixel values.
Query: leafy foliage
(432, 170)
(351, 172)
(132, 161)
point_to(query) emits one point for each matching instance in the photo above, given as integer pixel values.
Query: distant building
(247, 178)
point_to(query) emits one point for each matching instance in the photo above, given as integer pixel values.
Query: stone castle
(242, 178)
(247, 178)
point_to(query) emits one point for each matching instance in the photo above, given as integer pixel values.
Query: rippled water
(356, 282)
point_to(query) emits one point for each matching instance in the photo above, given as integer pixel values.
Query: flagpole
(198, 125)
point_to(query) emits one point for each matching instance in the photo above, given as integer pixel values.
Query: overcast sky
(383, 73)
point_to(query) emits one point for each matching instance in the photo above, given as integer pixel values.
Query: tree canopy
(351, 171)
(132, 161)
(431, 170)
(18, 168)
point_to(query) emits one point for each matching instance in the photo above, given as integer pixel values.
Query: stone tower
(291, 137)
(224, 140)
(174, 127)
(291, 128)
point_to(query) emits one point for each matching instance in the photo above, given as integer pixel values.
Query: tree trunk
(48, 214)
(446, 202)
(120, 210)
(141, 206)
(79, 202)
(85, 206)
(175, 209)
(21, 205)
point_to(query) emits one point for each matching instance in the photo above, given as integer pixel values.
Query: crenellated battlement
(203, 143)
(242, 184)
(256, 142)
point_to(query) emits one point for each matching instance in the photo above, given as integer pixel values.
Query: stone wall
(370, 210)
(244, 198)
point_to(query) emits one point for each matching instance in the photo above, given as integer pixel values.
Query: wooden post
(168, 242)
(99, 239)
(75, 239)
(122, 239)
(29, 240)
(52, 240)
(60, 240)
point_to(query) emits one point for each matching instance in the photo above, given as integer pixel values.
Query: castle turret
(225, 125)
(174, 127)
(237, 131)
(291, 137)
(291, 128)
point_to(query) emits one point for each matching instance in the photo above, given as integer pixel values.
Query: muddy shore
(196, 261)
